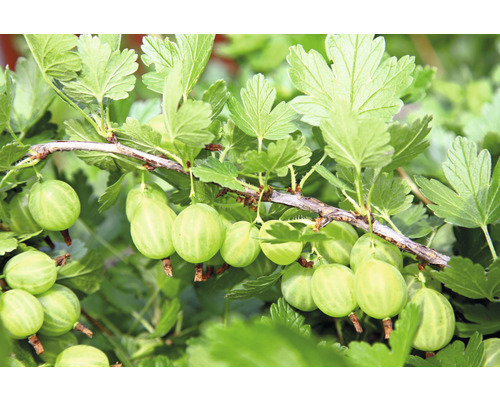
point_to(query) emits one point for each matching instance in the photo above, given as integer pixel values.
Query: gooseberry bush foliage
(328, 204)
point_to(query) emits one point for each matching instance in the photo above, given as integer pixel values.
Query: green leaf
(414, 222)
(259, 343)
(169, 313)
(254, 116)
(475, 201)
(390, 195)
(85, 276)
(191, 124)
(113, 40)
(82, 130)
(354, 142)
(54, 56)
(8, 242)
(363, 354)
(10, 153)
(332, 179)
(408, 141)
(110, 195)
(32, 95)
(484, 319)
(139, 136)
(372, 88)
(422, 81)
(191, 52)
(455, 355)
(235, 141)
(224, 174)
(251, 288)
(311, 75)
(469, 279)
(282, 312)
(216, 95)
(488, 123)
(278, 157)
(105, 73)
(195, 51)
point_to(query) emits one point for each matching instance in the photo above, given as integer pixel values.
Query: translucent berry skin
(437, 325)
(261, 266)
(279, 253)
(151, 229)
(332, 287)
(198, 233)
(296, 287)
(337, 250)
(241, 246)
(491, 356)
(371, 246)
(20, 219)
(54, 205)
(21, 313)
(379, 289)
(32, 271)
(140, 192)
(82, 356)
(61, 309)
(53, 345)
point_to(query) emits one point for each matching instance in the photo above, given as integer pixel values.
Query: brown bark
(326, 212)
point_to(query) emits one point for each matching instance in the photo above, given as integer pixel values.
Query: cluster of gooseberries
(33, 306)
(348, 273)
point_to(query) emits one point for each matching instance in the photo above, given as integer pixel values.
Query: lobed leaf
(254, 115)
(54, 55)
(105, 73)
(390, 195)
(475, 201)
(469, 279)
(32, 95)
(224, 174)
(363, 354)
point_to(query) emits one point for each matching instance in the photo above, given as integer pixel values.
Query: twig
(326, 212)
(414, 188)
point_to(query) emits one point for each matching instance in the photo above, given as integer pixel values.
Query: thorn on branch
(213, 147)
(112, 139)
(222, 192)
(148, 167)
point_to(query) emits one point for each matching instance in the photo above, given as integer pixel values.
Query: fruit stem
(338, 327)
(387, 327)
(79, 327)
(355, 321)
(49, 242)
(490, 243)
(61, 260)
(37, 345)
(167, 266)
(67, 237)
(198, 276)
(224, 267)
